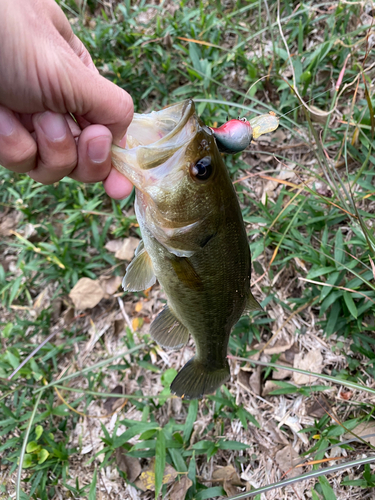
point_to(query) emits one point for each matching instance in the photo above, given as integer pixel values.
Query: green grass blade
(335, 380)
(24, 444)
(308, 475)
(160, 454)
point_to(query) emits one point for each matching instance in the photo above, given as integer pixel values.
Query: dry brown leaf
(363, 429)
(43, 300)
(281, 374)
(286, 459)
(268, 387)
(290, 354)
(138, 306)
(255, 381)
(148, 476)
(129, 465)
(179, 489)
(126, 252)
(111, 404)
(113, 245)
(227, 473)
(86, 293)
(69, 316)
(230, 489)
(135, 324)
(110, 284)
(318, 407)
(243, 379)
(278, 348)
(119, 326)
(8, 222)
(276, 435)
(312, 362)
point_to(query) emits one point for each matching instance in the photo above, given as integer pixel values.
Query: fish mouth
(153, 138)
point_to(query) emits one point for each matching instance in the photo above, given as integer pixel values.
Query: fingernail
(98, 149)
(53, 125)
(6, 124)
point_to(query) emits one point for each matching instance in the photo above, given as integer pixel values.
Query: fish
(193, 240)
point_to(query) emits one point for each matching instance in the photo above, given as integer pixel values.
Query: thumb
(94, 99)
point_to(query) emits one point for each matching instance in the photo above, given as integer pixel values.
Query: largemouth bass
(194, 241)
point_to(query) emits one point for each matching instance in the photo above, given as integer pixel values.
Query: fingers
(54, 153)
(117, 186)
(18, 150)
(57, 151)
(94, 154)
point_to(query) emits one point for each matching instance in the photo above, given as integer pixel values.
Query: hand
(46, 73)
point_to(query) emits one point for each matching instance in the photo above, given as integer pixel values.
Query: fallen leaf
(119, 326)
(135, 324)
(275, 434)
(230, 489)
(138, 306)
(243, 379)
(148, 476)
(8, 222)
(318, 408)
(56, 309)
(281, 374)
(362, 430)
(286, 459)
(290, 354)
(179, 489)
(312, 362)
(268, 387)
(110, 284)
(278, 348)
(86, 293)
(111, 404)
(126, 252)
(255, 381)
(227, 473)
(113, 245)
(129, 465)
(43, 300)
(69, 316)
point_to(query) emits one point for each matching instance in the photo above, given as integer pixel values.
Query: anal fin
(140, 273)
(252, 304)
(168, 331)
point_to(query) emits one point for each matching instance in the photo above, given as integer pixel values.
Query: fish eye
(202, 169)
(243, 119)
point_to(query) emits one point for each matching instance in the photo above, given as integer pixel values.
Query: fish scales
(193, 242)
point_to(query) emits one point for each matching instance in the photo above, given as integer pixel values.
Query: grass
(311, 234)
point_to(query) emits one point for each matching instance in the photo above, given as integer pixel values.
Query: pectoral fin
(140, 273)
(168, 331)
(186, 273)
(253, 304)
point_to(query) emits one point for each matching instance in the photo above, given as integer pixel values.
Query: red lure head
(233, 136)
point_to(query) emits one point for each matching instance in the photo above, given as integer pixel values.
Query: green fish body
(194, 240)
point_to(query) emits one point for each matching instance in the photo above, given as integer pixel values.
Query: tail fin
(195, 380)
